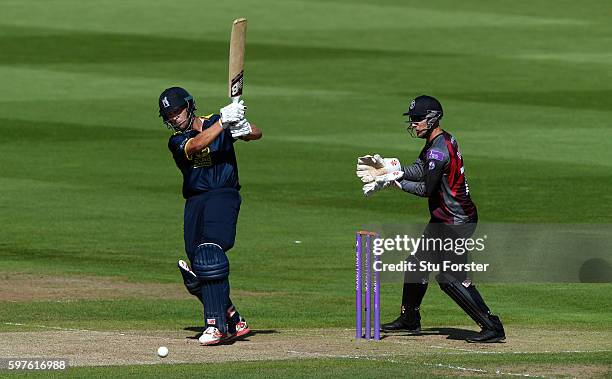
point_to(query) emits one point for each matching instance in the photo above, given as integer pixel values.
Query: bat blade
(236, 58)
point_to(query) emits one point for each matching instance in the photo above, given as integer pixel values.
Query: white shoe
(242, 328)
(212, 336)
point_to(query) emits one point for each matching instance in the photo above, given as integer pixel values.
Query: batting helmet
(174, 99)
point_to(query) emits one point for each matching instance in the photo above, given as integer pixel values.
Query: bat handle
(235, 99)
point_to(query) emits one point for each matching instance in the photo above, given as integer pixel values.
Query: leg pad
(210, 262)
(460, 295)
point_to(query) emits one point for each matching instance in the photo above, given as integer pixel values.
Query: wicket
(368, 287)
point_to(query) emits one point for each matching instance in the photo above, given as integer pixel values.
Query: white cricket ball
(162, 352)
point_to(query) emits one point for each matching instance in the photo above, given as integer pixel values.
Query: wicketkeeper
(438, 174)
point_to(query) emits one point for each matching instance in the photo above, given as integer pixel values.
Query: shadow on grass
(451, 333)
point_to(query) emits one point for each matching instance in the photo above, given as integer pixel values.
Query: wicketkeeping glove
(372, 187)
(382, 182)
(232, 113)
(390, 177)
(371, 166)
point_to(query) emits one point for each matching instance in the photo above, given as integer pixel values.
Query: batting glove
(241, 128)
(232, 113)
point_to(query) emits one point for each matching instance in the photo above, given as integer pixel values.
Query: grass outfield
(91, 210)
(338, 368)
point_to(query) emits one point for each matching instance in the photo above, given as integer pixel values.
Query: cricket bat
(236, 58)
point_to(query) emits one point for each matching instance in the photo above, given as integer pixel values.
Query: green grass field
(91, 209)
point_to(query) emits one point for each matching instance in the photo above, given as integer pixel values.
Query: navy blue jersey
(213, 168)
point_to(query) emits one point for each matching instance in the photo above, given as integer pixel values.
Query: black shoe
(490, 335)
(409, 321)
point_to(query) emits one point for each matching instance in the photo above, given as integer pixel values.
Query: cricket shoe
(490, 335)
(236, 325)
(242, 329)
(408, 321)
(212, 336)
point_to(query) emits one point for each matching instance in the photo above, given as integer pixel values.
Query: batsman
(438, 174)
(203, 150)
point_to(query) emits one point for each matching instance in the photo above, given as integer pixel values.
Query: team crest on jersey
(432, 165)
(202, 158)
(434, 154)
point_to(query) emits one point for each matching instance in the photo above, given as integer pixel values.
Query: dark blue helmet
(424, 108)
(174, 99)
